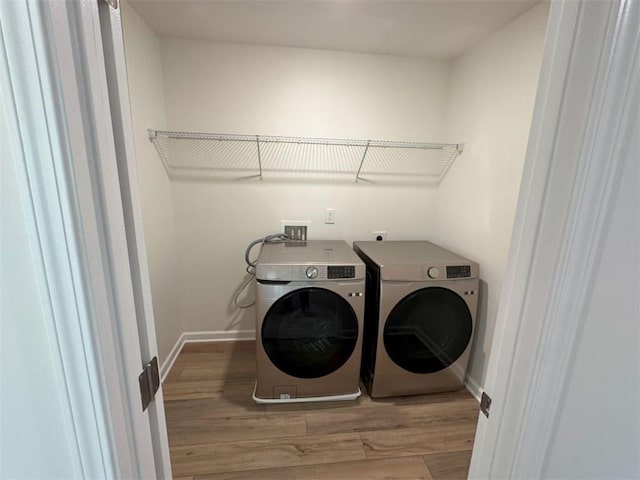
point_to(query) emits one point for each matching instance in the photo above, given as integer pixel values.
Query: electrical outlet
(295, 229)
(379, 235)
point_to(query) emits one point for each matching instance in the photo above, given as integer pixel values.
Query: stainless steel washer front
(310, 307)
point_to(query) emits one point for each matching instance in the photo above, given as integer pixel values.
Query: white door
(61, 90)
(117, 84)
(584, 124)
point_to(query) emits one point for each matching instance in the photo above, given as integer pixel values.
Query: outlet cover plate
(379, 235)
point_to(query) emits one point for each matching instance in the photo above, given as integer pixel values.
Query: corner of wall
(492, 90)
(145, 76)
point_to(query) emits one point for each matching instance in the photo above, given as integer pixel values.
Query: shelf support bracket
(366, 149)
(259, 158)
(153, 134)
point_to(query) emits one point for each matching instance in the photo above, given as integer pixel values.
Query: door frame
(578, 143)
(591, 48)
(117, 85)
(93, 261)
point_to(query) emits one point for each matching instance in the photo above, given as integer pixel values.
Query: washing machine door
(310, 332)
(428, 330)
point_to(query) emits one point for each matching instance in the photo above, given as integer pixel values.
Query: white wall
(36, 432)
(233, 88)
(490, 103)
(484, 98)
(598, 433)
(227, 88)
(144, 65)
(216, 221)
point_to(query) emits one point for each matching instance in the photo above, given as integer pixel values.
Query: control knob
(433, 272)
(312, 272)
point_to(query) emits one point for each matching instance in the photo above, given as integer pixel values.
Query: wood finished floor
(217, 432)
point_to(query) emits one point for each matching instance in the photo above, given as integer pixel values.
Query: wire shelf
(212, 155)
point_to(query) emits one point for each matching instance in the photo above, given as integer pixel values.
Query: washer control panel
(320, 272)
(341, 271)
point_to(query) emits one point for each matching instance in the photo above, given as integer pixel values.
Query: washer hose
(251, 265)
(276, 237)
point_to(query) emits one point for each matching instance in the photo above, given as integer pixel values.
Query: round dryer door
(428, 330)
(310, 332)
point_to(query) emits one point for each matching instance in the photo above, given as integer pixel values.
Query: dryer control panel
(438, 272)
(459, 271)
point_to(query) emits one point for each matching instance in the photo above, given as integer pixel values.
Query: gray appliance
(419, 317)
(310, 309)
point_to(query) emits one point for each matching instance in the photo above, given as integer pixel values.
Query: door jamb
(117, 84)
(66, 130)
(585, 98)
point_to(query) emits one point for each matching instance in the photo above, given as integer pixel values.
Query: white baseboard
(171, 358)
(194, 337)
(219, 336)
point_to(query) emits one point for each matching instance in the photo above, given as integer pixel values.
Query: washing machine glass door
(310, 332)
(428, 330)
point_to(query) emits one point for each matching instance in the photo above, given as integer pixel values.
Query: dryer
(310, 309)
(419, 317)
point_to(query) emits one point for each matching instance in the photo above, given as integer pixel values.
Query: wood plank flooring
(217, 432)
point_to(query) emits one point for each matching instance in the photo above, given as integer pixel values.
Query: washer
(310, 310)
(419, 317)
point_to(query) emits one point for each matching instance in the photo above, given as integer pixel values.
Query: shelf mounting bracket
(259, 157)
(366, 149)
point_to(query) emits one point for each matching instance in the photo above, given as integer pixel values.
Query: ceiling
(427, 28)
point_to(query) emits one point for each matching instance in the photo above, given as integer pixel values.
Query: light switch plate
(329, 215)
